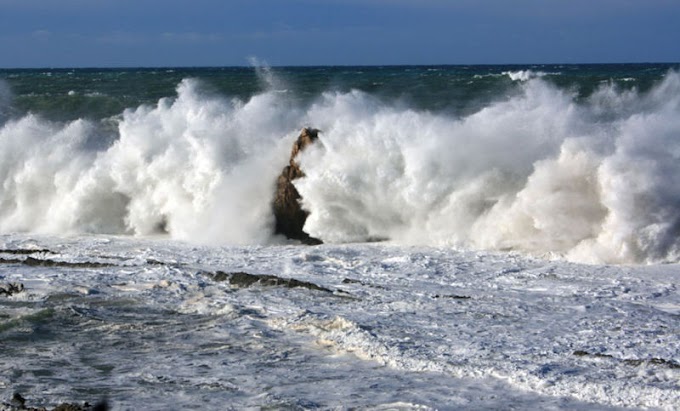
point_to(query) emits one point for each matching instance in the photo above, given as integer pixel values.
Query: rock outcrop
(10, 289)
(18, 403)
(289, 215)
(244, 280)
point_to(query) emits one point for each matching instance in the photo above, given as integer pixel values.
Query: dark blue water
(68, 94)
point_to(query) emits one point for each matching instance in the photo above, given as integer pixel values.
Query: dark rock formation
(39, 262)
(11, 288)
(632, 362)
(245, 280)
(289, 215)
(453, 296)
(25, 251)
(18, 403)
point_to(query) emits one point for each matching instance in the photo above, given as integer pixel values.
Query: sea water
(126, 192)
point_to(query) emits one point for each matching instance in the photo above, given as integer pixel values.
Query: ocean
(495, 237)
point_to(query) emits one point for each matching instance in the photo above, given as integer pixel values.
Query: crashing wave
(539, 173)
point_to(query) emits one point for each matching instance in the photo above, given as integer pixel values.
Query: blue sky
(114, 33)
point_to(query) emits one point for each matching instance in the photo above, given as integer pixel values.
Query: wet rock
(18, 400)
(453, 296)
(581, 353)
(289, 215)
(18, 403)
(68, 407)
(39, 262)
(654, 361)
(11, 289)
(243, 280)
(632, 362)
(22, 251)
(100, 406)
(220, 276)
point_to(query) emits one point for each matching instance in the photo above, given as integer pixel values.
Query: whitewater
(518, 251)
(537, 172)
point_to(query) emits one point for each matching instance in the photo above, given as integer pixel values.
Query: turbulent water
(129, 197)
(576, 161)
(161, 325)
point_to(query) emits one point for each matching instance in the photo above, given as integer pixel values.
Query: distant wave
(540, 173)
(518, 75)
(526, 75)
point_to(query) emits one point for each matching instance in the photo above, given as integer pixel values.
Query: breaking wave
(541, 172)
(524, 75)
(197, 167)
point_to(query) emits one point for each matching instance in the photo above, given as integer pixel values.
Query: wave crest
(195, 167)
(539, 172)
(524, 75)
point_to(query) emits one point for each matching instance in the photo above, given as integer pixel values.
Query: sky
(154, 33)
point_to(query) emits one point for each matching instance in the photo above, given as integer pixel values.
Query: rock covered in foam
(18, 403)
(289, 215)
(10, 289)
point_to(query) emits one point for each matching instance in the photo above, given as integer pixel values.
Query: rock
(220, 276)
(22, 251)
(68, 407)
(18, 400)
(240, 279)
(631, 361)
(289, 215)
(244, 280)
(39, 262)
(11, 289)
(453, 296)
(18, 403)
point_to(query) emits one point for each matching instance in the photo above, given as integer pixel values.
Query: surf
(541, 170)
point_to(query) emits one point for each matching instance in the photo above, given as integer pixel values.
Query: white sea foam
(197, 167)
(538, 172)
(266, 76)
(402, 324)
(524, 75)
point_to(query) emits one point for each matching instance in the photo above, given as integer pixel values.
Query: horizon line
(151, 67)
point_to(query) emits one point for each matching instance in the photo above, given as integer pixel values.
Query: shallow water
(404, 327)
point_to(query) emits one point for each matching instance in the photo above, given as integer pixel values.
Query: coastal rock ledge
(289, 215)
